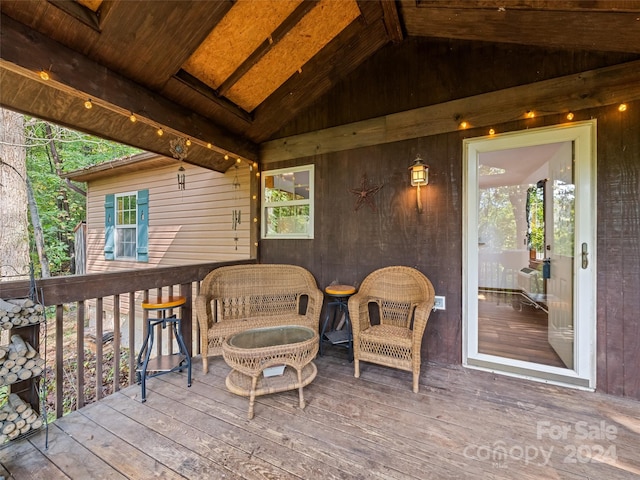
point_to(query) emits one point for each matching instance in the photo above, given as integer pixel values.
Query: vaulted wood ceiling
(228, 74)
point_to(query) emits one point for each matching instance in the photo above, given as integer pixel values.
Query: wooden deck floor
(462, 424)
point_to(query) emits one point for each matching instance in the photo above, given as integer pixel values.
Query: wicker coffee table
(288, 350)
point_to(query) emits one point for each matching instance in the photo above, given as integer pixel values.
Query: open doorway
(515, 228)
(529, 240)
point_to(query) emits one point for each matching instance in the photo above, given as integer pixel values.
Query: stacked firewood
(19, 361)
(17, 417)
(19, 312)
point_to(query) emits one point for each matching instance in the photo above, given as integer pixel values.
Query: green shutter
(109, 226)
(143, 226)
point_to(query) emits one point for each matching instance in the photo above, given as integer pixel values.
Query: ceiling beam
(283, 29)
(392, 20)
(581, 91)
(212, 95)
(594, 30)
(47, 101)
(25, 52)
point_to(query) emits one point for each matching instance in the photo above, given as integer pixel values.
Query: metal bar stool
(336, 327)
(152, 367)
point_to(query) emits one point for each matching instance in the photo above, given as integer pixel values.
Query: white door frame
(583, 375)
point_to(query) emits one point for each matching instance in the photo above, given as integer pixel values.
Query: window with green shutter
(126, 226)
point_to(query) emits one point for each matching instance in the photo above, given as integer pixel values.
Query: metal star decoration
(365, 193)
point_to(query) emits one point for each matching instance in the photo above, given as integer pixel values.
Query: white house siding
(185, 226)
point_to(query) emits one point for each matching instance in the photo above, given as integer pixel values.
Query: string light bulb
(160, 132)
(133, 118)
(188, 142)
(209, 146)
(88, 105)
(238, 161)
(570, 116)
(622, 107)
(226, 157)
(44, 75)
(463, 125)
(530, 114)
(492, 131)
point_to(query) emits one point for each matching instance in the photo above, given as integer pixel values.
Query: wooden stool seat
(162, 303)
(340, 290)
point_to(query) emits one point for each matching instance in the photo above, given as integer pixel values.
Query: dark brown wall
(421, 72)
(618, 327)
(348, 244)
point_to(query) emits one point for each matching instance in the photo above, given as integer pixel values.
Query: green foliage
(288, 217)
(61, 208)
(496, 218)
(564, 214)
(536, 219)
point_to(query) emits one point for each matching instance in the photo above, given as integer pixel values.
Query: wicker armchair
(402, 299)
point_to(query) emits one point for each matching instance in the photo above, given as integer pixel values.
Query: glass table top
(271, 336)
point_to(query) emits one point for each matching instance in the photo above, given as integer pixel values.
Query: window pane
(126, 221)
(126, 243)
(301, 185)
(126, 213)
(287, 186)
(283, 220)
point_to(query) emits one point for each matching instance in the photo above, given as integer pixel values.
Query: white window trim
(118, 227)
(310, 202)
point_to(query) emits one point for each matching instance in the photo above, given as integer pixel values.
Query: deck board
(463, 423)
(202, 434)
(24, 460)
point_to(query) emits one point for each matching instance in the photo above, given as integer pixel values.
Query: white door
(570, 206)
(560, 192)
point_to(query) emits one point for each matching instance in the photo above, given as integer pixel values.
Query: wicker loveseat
(239, 297)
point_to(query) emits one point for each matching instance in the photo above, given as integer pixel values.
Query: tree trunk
(38, 235)
(14, 235)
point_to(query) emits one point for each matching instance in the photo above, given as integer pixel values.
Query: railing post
(132, 337)
(116, 343)
(187, 311)
(59, 361)
(80, 316)
(99, 350)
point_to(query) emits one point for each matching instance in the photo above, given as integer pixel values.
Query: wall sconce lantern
(419, 177)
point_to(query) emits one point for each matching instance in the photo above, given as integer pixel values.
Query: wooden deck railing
(110, 293)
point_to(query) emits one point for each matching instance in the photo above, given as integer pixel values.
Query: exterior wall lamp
(419, 177)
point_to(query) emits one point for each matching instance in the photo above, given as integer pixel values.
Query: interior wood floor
(519, 333)
(463, 424)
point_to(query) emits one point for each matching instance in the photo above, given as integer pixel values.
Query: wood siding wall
(348, 244)
(185, 226)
